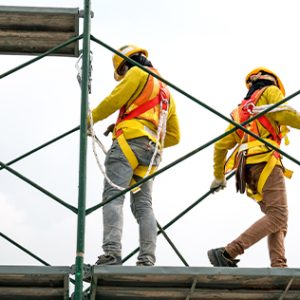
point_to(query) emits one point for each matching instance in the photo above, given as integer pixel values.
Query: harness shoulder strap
(163, 94)
(265, 122)
(256, 95)
(124, 107)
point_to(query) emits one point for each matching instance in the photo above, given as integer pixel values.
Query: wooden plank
(30, 291)
(35, 35)
(34, 282)
(33, 22)
(29, 270)
(126, 293)
(38, 9)
(27, 42)
(234, 281)
(35, 30)
(124, 283)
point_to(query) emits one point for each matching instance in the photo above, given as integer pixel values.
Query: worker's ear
(123, 70)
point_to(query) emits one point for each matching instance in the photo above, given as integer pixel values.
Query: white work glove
(218, 184)
(89, 132)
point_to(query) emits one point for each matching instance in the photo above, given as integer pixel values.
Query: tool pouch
(240, 174)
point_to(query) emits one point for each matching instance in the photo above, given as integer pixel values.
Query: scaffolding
(58, 28)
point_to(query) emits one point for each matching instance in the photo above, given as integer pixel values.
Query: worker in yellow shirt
(258, 167)
(146, 124)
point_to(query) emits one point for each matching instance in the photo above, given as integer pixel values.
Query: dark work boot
(108, 259)
(217, 258)
(144, 263)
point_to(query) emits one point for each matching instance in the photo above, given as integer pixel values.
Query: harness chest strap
(142, 108)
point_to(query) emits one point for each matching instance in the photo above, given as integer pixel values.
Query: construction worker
(258, 167)
(146, 124)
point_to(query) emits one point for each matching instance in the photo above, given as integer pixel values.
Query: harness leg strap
(138, 170)
(267, 170)
(129, 154)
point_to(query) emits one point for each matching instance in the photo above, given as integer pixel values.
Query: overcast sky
(204, 47)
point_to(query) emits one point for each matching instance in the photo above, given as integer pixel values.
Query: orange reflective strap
(142, 108)
(264, 121)
(154, 93)
(244, 111)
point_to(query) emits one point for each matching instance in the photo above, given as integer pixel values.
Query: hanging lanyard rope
(161, 132)
(91, 131)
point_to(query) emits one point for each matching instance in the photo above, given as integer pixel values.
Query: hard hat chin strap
(260, 76)
(125, 66)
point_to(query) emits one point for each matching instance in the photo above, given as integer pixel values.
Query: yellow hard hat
(256, 72)
(128, 51)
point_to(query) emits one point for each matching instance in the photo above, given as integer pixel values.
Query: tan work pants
(273, 224)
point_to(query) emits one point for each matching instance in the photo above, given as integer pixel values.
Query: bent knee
(278, 217)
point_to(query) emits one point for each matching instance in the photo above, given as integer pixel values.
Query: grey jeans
(120, 172)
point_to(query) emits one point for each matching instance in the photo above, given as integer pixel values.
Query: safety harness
(154, 110)
(237, 160)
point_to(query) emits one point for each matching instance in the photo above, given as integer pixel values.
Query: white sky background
(204, 47)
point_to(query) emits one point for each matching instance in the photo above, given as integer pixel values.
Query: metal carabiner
(249, 108)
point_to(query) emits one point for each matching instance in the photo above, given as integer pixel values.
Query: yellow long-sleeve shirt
(125, 93)
(288, 117)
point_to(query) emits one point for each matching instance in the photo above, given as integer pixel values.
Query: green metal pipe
(184, 212)
(28, 252)
(161, 230)
(78, 293)
(240, 126)
(24, 249)
(195, 151)
(72, 40)
(237, 126)
(40, 147)
(38, 187)
(159, 171)
(192, 205)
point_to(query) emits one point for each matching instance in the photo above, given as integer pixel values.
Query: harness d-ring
(249, 107)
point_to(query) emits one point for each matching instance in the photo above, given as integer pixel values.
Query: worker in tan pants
(258, 168)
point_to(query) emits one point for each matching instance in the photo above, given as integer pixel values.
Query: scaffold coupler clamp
(81, 13)
(87, 271)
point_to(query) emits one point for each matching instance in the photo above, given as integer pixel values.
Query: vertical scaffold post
(78, 294)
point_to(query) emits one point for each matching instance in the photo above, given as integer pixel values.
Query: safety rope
(160, 138)
(255, 110)
(160, 134)
(91, 131)
(261, 108)
(95, 141)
